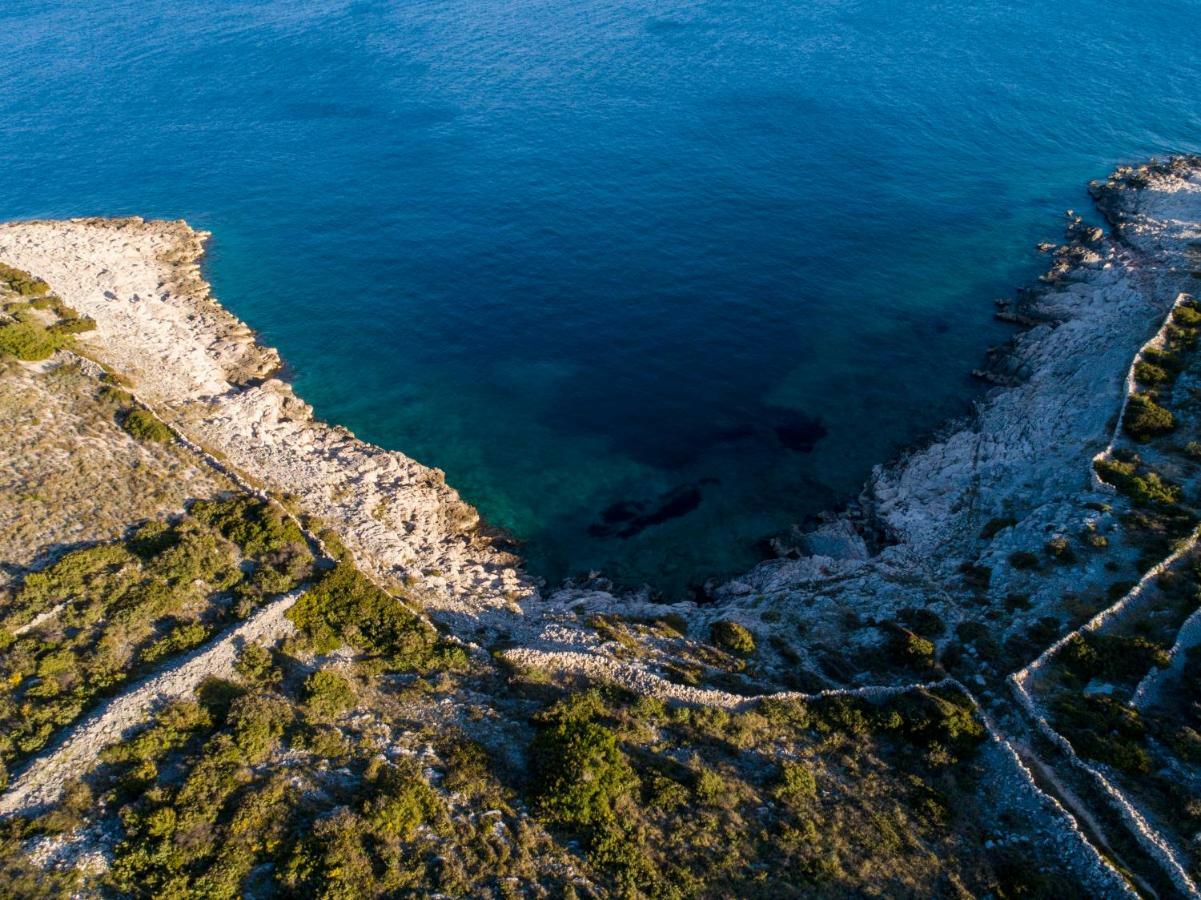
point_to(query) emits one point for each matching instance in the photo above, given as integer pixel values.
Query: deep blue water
(650, 281)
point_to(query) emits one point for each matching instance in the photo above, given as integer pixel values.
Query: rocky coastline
(996, 542)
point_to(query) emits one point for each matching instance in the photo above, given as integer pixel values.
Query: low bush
(1148, 374)
(1145, 419)
(1164, 359)
(924, 622)
(184, 636)
(256, 665)
(124, 606)
(73, 325)
(1059, 548)
(911, 649)
(27, 341)
(580, 773)
(1105, 730)
(796, 784)
(22, 282)
(145, 426)
(732, 637)
(1186, 316)
(1113, 657)
(328, 693)
(1147, 488)
(344, 607)
(1152, 490)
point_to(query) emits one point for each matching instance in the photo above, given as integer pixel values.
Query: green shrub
(1165, 359)
(173, 726)
(924, 622)
(1117, 657)
(75, 325)
(796, 783)
(145, 426)
(1186, 316)
(184, 636)
(580, 773)
(945, 722)
(257, 527)
(1145, 419)
(76, 573)
(732, 637)
(399, 799)
(258, 720)
(1146, 489)
(256, 665)
(345, 607)
(1103, 729)
(910, 649)
(22, 282)
(333, 861)
(27, 341)
(328, 693)
(1151, 490)
(1149, 374)
(1115, 471)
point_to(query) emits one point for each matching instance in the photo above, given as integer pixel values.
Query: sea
(651, 281)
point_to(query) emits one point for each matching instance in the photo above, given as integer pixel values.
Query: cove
(650, 282)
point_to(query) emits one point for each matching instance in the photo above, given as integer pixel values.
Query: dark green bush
(580, 773)
(1186, 316)
(258, 720)
(911, 649)
(328, 693)
(1164, 359)
(123, 607)
(22, 282)
(1151, 490)
(1115, 657)
(1105, 730)
(27, 341)
(732, 637)
(1145, 419)
(1145, 489)
(345, 607)
(1149, 374)
(75, 325)
(796, 784)
(1059, 548)
(924, 622)
(145, 426)
(256, 665)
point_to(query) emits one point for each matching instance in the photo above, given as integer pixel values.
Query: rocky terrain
(978, 679)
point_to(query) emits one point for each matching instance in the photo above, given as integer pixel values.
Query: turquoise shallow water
(650, 281)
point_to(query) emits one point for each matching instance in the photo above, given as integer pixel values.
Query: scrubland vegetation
(36, 323)
(75, 631)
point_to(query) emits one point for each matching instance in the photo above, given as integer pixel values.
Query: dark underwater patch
(797, 431)
(629, 517)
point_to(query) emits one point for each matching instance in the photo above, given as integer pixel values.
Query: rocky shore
(205, 373)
